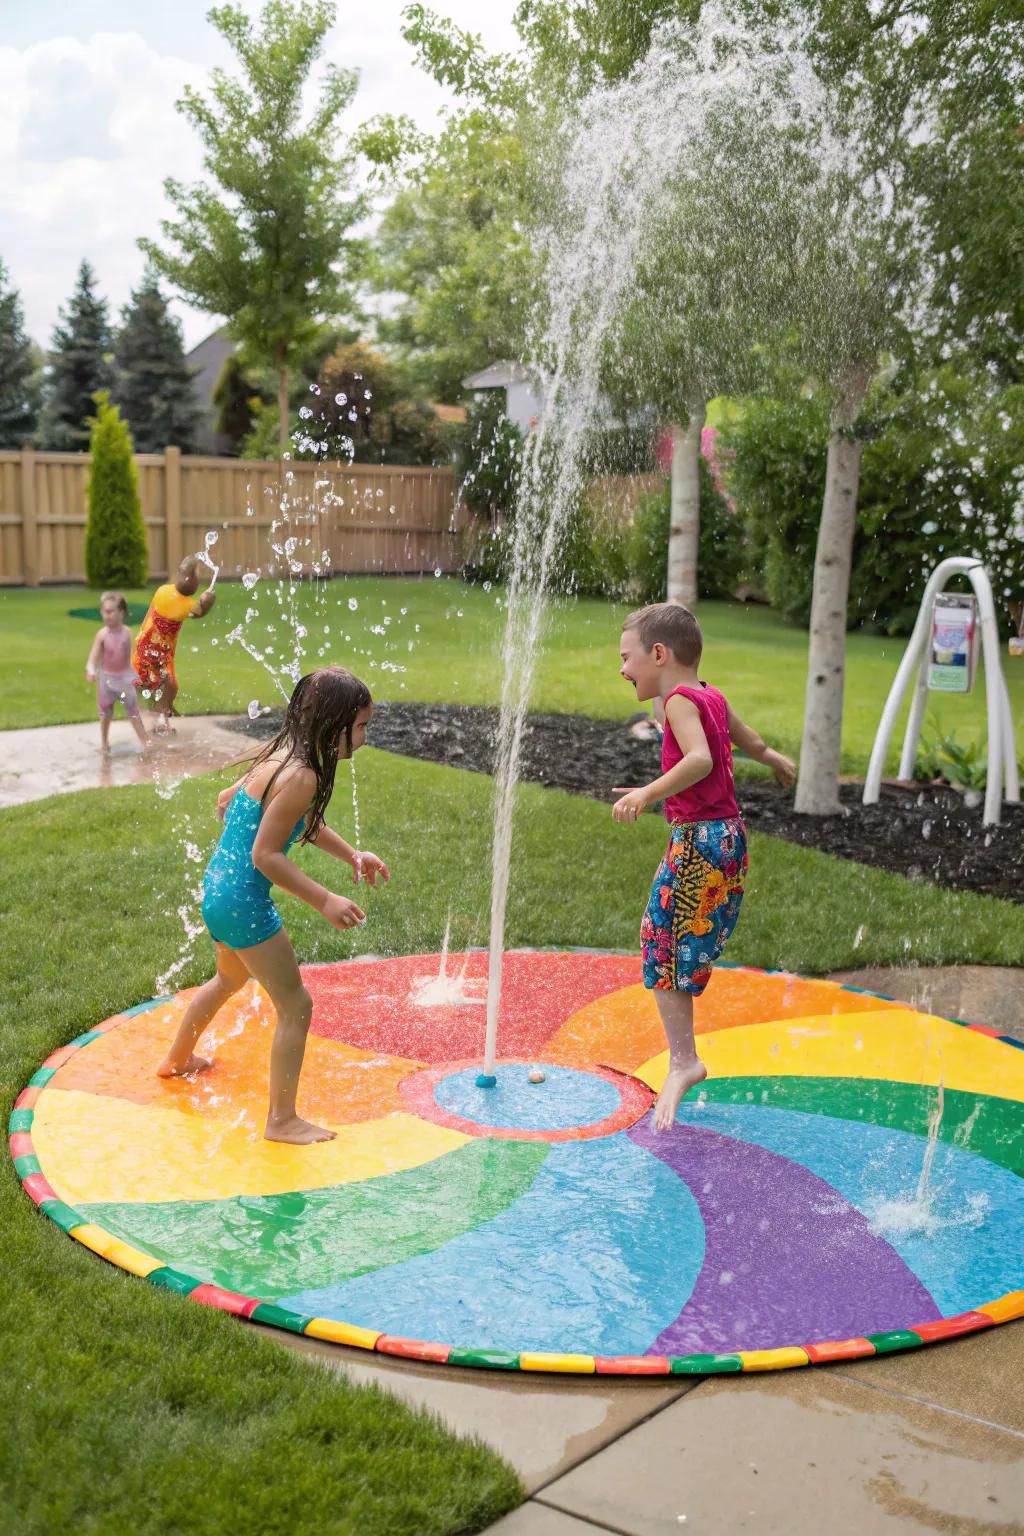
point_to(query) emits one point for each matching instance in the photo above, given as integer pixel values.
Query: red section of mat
(413, 1349)
(21, 1144)
(38, 1188)
(59, 1057)
(371, 1004)
(226, 1301)
(838, 1349)
(632, 1365)
(952, 1327)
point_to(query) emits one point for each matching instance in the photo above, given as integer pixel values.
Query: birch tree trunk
(817, 790)
(282, 410)
(684, 514)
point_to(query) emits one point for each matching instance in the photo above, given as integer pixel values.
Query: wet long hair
(323, 706)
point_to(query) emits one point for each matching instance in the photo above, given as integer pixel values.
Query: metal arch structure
(1002, 755)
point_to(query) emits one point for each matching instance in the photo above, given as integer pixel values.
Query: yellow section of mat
(897, 1044)
(94, 1148)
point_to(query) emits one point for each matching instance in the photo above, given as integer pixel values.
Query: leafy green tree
(265, 242)
(453, 246)
(19, 372)
(153, 387)
(79, 367)
(115, 535)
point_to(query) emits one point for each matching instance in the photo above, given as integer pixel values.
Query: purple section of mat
(787, 1260)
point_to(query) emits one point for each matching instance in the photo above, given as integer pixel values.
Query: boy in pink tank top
(695, 899)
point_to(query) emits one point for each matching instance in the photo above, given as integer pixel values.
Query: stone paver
(56, 759)
(982, 1376)
(542, 1424)
(980, 994)
(534, 1519)
(803, 1453)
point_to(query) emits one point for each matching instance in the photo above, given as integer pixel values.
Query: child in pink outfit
(110, 667)
(695, 899)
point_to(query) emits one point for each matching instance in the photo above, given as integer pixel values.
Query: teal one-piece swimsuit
(237, 908)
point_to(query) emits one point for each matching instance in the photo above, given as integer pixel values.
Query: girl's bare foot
(194, 1064)
(300, 1132)
(678, 1083)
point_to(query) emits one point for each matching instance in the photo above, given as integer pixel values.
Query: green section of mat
(974, 1122)
(276, 1245)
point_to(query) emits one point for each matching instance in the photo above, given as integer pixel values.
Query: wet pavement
(57, 759)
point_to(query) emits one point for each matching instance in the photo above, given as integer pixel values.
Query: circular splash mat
(845, 1183)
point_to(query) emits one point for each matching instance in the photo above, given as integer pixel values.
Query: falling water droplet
(254, 708)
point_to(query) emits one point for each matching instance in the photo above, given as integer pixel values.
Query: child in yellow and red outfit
(695, 899)
(153, 653)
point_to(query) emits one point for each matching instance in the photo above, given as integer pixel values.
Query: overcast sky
(89, 130)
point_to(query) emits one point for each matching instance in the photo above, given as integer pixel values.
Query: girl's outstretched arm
(365, 865)
(291, 801)
(94, 656)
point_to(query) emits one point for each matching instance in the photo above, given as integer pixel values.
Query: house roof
(497, 376)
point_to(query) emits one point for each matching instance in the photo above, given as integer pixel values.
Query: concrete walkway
(931, 1441)
(56, 759)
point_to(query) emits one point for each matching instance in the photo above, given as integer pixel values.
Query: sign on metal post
(953, 651)
(943, 654)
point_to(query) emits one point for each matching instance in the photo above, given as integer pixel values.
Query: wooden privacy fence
(353, 518)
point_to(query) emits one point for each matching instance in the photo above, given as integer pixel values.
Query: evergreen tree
(79, 366)
(233, 396)
(115, 535)
(154, 384)
(19, 376)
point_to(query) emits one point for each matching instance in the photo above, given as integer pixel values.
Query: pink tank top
(714, 798)
(116, 650)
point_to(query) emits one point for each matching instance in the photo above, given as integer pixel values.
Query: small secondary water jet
(442, 990)
(630, 142)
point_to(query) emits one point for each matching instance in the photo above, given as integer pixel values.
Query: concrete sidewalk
(56, 759)
(923, 1442)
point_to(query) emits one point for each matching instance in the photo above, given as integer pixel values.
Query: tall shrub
(115, 535)
(941, 475)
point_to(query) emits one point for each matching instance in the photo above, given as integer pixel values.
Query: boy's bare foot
(300, 1132)
(677, 1085)
(192, 1065)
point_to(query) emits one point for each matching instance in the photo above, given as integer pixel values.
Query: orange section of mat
(623, 1029)
(340, 1083)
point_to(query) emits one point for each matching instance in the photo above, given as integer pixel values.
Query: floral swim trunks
(694, 903)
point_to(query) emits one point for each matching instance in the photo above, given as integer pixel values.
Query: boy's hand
(782, 767)
(632, 803)
(90, 674)
(367, 867)
(342, 913)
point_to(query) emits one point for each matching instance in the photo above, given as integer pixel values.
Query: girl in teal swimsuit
(282, 798)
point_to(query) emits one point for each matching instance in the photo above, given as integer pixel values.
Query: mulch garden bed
(922, 831)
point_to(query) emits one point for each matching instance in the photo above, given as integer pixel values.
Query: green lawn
(446, 635)
(128, 1409)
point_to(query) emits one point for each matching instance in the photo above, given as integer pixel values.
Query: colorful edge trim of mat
(125, 1256)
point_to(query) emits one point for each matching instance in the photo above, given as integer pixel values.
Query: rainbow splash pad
(798, 1211)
